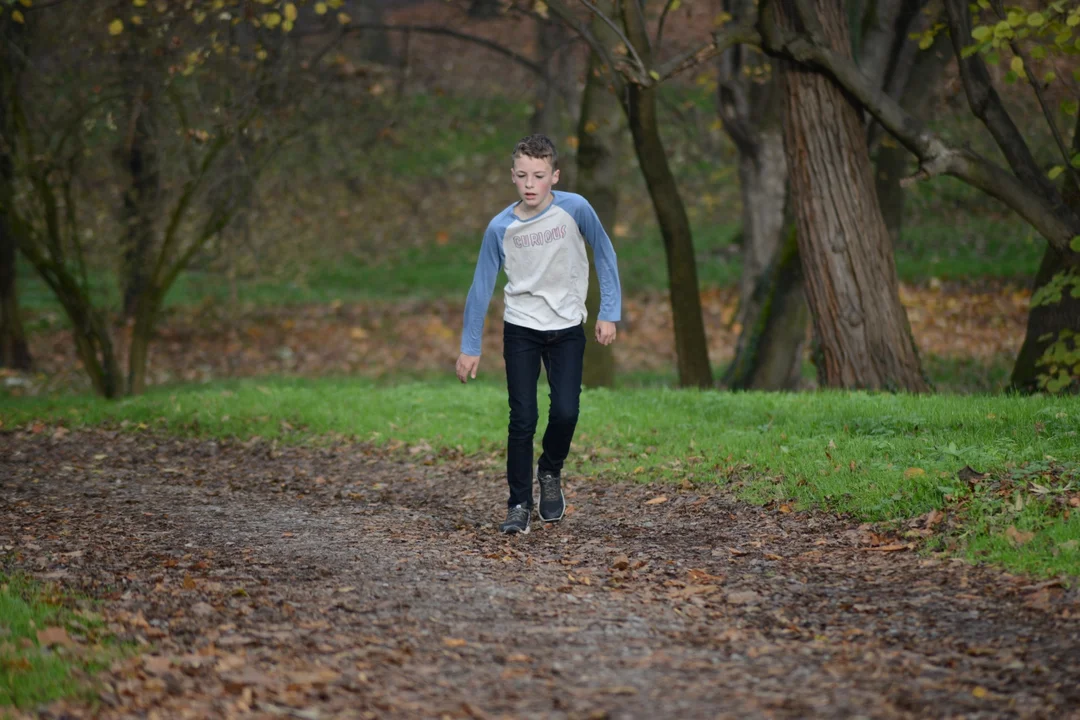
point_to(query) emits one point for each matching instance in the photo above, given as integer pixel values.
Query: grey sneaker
(517, 521)
(552, 503)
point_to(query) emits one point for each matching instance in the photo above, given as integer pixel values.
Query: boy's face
(533, 178)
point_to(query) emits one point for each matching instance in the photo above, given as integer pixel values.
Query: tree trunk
(846, 253)
(599, 134)
(751, 115)
(770, 348)
(14, 351)
(1046, 321)
(545, 117)
(640, 106)
(139, 354)
(141, 200)
(772, 305)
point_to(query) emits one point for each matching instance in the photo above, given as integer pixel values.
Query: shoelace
(518, 514)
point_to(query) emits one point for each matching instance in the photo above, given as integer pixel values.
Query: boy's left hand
(605, 332)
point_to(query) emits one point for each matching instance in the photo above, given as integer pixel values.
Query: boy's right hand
(466, 367)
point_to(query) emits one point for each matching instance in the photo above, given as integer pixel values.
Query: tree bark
(846, 253)
(142, 199)
(599, 135)
(1047, 321)
(14, 350)
(772, 306)
(640, 107)
(770, 347)
(751, 114)
(545, 117)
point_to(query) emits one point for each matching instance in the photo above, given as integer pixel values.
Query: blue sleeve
(607, 265)
(476, 304)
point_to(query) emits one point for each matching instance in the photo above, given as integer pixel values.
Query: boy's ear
(554, 177)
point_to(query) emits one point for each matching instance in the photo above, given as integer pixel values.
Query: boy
(540, 240)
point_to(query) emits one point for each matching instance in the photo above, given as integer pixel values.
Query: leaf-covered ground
(262, 581)
(388, 337)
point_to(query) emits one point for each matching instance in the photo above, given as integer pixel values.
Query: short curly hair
(539, 147)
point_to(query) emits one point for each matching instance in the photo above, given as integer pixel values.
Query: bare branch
(743, 33)
(476, 39)
(1019, 52)
(594, 44)
(643, 71)
(986, 105)
(658, 43)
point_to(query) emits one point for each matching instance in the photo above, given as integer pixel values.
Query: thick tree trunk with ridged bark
(847, 255)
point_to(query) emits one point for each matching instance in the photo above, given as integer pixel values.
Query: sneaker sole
(515, 532)
(562, 497)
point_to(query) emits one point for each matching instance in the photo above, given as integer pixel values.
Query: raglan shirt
(547, 269)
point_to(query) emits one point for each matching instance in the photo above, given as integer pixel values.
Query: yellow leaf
(1017, 65)
(675, 5)
(271, 20)
(335, 3)
(116, 27)
(320, 8)
(980, 691)
(541, 8)
(138, 3)
(136, 19)
(454, 642)
(344, 18)
(17, 16)
(591, 126)
(914, 472)
(287, 26)
(290, 12)
(26, 3)
(260, 54)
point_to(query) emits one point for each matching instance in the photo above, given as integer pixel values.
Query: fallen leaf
(980, 692)
(743, 597)
(54, 636)
(157, 664)
(893, 547)
(454, 642)
(621, 562)
(914, 472)
(657, 500)
(1018, 537)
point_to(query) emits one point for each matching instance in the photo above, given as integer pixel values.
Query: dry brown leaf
(892, 547)
(657, 500)
(454, 642)
(1018, 537)
(54, 636)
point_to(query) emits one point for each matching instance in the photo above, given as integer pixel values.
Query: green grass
(31, 674)
(878, 457)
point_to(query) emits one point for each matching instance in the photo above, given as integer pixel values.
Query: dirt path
(319, 583)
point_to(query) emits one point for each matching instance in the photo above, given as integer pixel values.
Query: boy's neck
(524, 213)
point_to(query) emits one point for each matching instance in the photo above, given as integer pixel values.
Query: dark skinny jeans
(562, 353)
